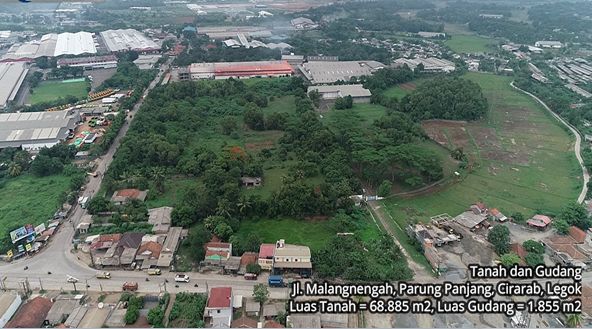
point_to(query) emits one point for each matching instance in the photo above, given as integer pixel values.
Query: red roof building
(577, 234)
(244, 322)
(220, 297)
(249, 258)
(272, 324)
(32, 314)
(518, 249)
(539, 221)
(266, 252)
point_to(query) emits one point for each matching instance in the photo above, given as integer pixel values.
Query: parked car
(103, 275)
(153, 271)
(250, 276)
(130, 286)
(182, 278)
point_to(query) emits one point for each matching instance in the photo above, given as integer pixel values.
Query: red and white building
(239, 70)
(218, 312)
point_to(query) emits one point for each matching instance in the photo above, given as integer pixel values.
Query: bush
(533, 259)
(533, 247)
(254, 268)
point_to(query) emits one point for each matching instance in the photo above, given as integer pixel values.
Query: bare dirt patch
(259, 146)
(409, 86)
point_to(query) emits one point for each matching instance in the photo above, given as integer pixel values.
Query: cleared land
(51, 90)
(20, 206)
(522, 160)
(464, 43)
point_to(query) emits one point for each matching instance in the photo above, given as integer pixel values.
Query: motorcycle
(26, 268)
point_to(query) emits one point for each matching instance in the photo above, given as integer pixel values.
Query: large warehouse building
(34, 130)
(89, 63)
(129, 39)
(330, 72)
(12, 76)
(52, 45)
(239, 70)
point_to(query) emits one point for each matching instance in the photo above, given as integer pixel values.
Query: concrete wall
(10, 311)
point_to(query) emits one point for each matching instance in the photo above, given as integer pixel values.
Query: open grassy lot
(312, 233)
(465, 43)
(27, 199)
(52, 90)
(173, 193)
(522, 160)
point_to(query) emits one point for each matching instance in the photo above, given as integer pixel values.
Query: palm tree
(243, 205)
(574, 320)
(224, 208)
(14, 169)
(158, 175)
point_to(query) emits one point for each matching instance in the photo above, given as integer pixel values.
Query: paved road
(577, 145)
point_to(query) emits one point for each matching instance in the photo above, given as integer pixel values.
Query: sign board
(39, 228)
(18, 234)
(9, 253)
(28, 247)
(20, 248)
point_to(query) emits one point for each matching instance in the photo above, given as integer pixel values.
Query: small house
(122, 197)
(497, 215)
(218, 312)
(251, 181)
(540, 222)
(265, 259)
(218, 252)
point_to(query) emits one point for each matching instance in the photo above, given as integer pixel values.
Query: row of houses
(138, 250)
(279, 258)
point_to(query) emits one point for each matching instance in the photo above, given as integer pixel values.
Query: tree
(518, 217)
(533, 247)
(253, 268)
(385, 188)
(254, 118)
(223, 231)
(510, 259)
(534, 259)
(576, 214)
(561, 226)
(44, 165)
(98, 204)
(260, 293)
(574, 320)
(158, 176)
(14, 169)
(342, 103)
(155, 317)
(499, 236)
(315, 97)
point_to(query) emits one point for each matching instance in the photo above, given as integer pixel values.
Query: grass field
(52, 90)
(401, 90)
(312, 233)
(523, 160)
(27, 199)
(464, 43)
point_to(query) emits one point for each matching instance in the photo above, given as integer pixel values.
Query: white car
(71, 279)
(182, 278)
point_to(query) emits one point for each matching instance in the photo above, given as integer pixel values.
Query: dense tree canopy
(446, 98)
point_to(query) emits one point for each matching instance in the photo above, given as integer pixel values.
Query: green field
(51, 90)
(523, 160)
(464, 43)
(401, 90)
(312, 233)
(27, 199)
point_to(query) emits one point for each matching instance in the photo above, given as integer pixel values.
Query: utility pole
(86, 281)
(40, 285)
(3, 283)
(101, 286)
(74, 283)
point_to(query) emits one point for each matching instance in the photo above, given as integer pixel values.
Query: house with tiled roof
(217, 252)
(265, 259)
(32, 314)
(122, 197)
(218, 311)
(244, 322)
(540, 222)
(519, 250)
(272, 324)
(573, 249)
(497, 215)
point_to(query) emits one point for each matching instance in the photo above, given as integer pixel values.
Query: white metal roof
(129, 39)
(11, 78)
(75, 44)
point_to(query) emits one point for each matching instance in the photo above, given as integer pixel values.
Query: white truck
(182, 278)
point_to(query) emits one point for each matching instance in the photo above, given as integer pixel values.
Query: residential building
(104, 241)
(497, 215)
(573, 249)
(472, 221)
(9, 304)
(218, 311)
(251, 181)
(540, 222)
(548, 44)
(34, 130)
(148, 254)
(160, 218)
(217, 253)
(169, 248)
(244, 322)
(321, 72)
(265, 259)
(358, 93)
(431, 235)
(291, 258)
(122, 197)
(32, 314)
(60, 311)
(124, 252)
